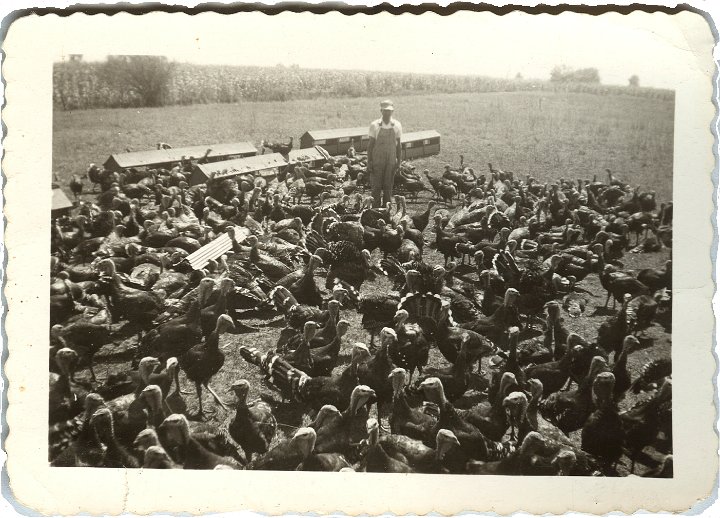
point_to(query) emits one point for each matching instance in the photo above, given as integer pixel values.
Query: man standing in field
(384, 153)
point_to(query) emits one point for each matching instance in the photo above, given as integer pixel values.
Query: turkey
(277, 147)
(276, 320)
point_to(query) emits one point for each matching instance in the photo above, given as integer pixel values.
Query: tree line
(146, 81)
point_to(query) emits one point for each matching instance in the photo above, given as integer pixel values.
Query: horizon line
(335, 69)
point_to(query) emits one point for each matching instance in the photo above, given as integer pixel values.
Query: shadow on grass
(528, 333)
(465, 271)
(646, 342)
(603, 312)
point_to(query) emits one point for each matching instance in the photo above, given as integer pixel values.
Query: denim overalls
(384, 157)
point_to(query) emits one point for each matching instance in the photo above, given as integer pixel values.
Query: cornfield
(79, 85)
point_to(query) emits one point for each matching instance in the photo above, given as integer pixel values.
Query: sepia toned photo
(392, 258)
(269, 270)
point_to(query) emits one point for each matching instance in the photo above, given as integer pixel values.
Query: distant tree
(559, 73)
(518, 77)
(565, 74)
(634, 81)
(145, 78)
(587, 75)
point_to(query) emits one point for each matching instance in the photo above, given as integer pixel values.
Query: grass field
(548, 136)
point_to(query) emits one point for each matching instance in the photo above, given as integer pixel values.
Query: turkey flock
(496, 328)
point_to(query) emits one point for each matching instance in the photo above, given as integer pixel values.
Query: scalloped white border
(26, 164)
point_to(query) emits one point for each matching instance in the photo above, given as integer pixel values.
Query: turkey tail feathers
(428, 310)
(512, 265)
(316, 222)
(630, 315)
(528, 244)
(282, 298)
(314, 240)
(352, 293)
(499, 264)
(250, 355)
(391, 267)
(652, 371)
(506, 266)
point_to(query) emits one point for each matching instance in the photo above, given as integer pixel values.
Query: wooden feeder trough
(314, 156)
(266, 166)
(420, 144)
(61, 204)
(167, 158)
(337, 141)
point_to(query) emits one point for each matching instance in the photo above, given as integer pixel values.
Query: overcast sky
(649, 45)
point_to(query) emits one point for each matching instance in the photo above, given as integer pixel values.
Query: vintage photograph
(335, 251)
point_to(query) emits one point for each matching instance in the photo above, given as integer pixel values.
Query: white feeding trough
(214, 249)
